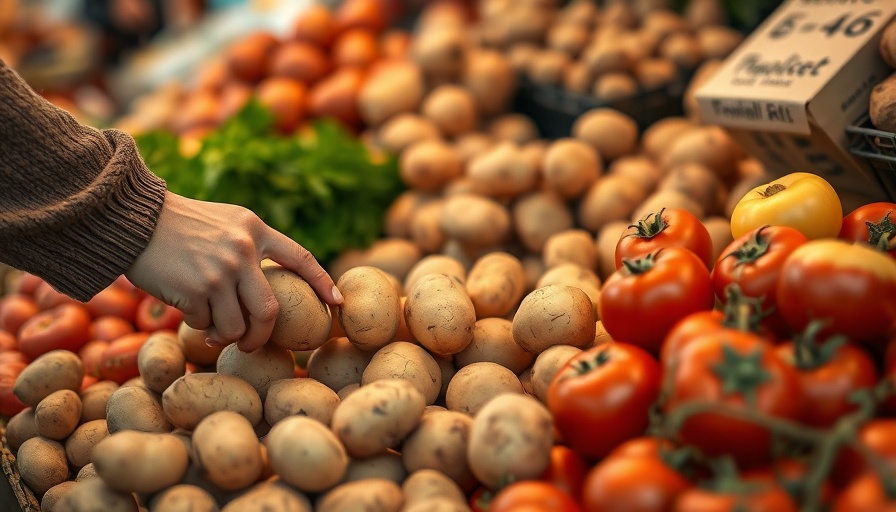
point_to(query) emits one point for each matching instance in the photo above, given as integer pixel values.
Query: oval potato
(338, 363)
(306, 454)
(370, 312)
(406, 361)
(303, 322)
(131, 461)
(370, 495)
(299, 397)
(496, 284)
(193, 397)
(227, 450)
(260, 368)
(554, 315)
(53, 371)
(440, 314)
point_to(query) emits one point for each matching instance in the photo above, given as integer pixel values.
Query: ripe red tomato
(26, 284)
(872, 224)
(765, 499)
(865, 493)
(602, 396)
(889, 372)
(109, 328)
(851, 286)
(91, 355)
(66, 326)
(879, 435)
(566, 470)
(119, 360)
(114, 301)
(641, 447)
(10, 405)
(670, 227)
(15, 309)
(788, 473)
(738, 370)
(154, 315)
(87, 381)
(8, 342)
(533, 493)
(12, 356)
(828, 380)
(632, 484)
(47, 297)
(640, 302)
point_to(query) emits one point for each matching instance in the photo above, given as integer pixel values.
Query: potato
(655, 73)
(503, 171)
(436, 505)
(227, 450)
(577, 276)
(639, 169)
(427, 484)
(42, 464)
(370, 495)
(570, 246)
(440, 314)
(535, 151)
(710, 146)
(520, 54)
(304, 321)
(539, 215)
(495, 284)
(161, 361)
(490, 79)
(881, 106)
(425, 228)
(299, 397)
(614, 86)
(440, 52)
(79, 446)
(548, 67)
(702, 75)
(606, 56)
(192, 342)
(93, 494)
(720, 233)
(94, 400)
(440, 443)
(511, 437)
(377, 416)
(404, 130)
(260, 368)
(54, 494)
(493, 342)
(611, 132)
(434, 264)
(269, 496)
(668, 198)
(429, 164)
(697, 182)
(347, 390)
(887, 45)
(131, 461)
(660, 135)
(396, 89)
(474, 221)
(371, 310)
(477, 383)
(20, 428)
(577, 78)
(470, 145)
(386, 465)
(514, 128)
(570, 167)
(554, 315)
(394, 256)
(306, 454)
(338, 363)
(53, 371)
(607, 239)
(406, 361)
(193, 397)
(664, 22)
(88, 471)
(547, 365)
(717, 42)
(569, 38)
(137, 408)
(452, 108)
(184, 498)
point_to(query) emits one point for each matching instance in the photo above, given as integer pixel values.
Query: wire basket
(878, 149)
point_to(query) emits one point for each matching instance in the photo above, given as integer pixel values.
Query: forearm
(77, 205)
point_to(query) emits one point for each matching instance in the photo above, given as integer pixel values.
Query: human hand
(204, 259)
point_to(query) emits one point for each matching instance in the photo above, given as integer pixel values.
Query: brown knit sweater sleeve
(77, 205)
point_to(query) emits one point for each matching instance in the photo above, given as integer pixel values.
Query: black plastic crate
(878, 149)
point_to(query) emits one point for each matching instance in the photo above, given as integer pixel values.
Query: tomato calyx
(882, 234)
(773, 189)
(743, 313)
(647, 228)
(587, 365)
(754, 249)
(809, 353)
(741, 373)
(640, 265)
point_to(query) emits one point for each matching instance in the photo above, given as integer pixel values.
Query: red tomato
(641, 447)
(851, 286)
(66, 326)
(154, 315)
(671, 227)
(864, 494)
(87, 381)
(737, 370)
(872, 224)
(109, 328)
(119, 360)
(767, 499)
(26, 284)
(10, 405)
(480, 499)
(566, 470)
(15, 309)
(532, 493)
(8, 342)
(47, 297)
(91, 355)
(632, 484)
(889, 405)
(879, 435)
(640, 302)
(827, 380)
(114, 301)
(789, 474)
(12, 356)
(602, 396)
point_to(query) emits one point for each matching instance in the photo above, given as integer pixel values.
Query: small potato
(514, 128)
(370, 495)
(377, 416)
(53, 371)
(184, 498)
(496, 284)
(93, 494)
(440, 443)
(387, 466)
(655, 73)
(570, 246)
(425, 227)
(406, 361)
(347, 390)
(720, 233)
(54, 494)
(471, 145)
(452, 108)
(306, 454)
(717, 42)
(640, 169)
(192, 342)
(79, 446)
(227, 450)
(338, 363)
(570, 167)
(554, 315)
(193, 397)
(260, 368)
(440, 314)
(428, 165)
(547, 365)
(697, 182)
(489, 77)
(548, 67)
(436, 505)
(503, 171)
(304, 321)
(21, 428)
(371, 310)
(388, 93)
(607, 239)
(136, 408)
(577, 79)
(493, 342)
(131, 461)
(394, 256)
(161, 361)
(569, 38)
(269, 495)
(539, 215)
(606, 56)
(668, 198)
(439, 52)
(477, 383)
(577, 276)
(405, 129)
(95, 399)
(710, 146)
(474, 221)
(660, 135)
(426, 484)
(611, 132)
(299, 397)
(397, 222)
(511, 437)
(881, 106)
(683, 49)
(42, 464)
(434, 264)
(614, 86)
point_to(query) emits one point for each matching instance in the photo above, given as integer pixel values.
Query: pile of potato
(882, 104)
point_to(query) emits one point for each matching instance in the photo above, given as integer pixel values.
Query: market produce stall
(570, 282)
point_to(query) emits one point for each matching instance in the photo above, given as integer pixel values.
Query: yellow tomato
(801, 200)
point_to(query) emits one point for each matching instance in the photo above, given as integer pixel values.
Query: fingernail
(337, 295)
(213, 343)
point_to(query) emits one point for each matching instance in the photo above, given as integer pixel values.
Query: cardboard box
(790, 90)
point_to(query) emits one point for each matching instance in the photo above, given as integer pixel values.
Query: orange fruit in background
(248, 57)
(300, 61)
(315, 26)
(394, 44)
(337, 96)
(356, 47)
(287, 100)
(366, 14)
(234, 97)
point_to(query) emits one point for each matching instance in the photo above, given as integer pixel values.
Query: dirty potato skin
(193, 397)
(304, 322)
(406, 361)
(440, 443)
(475, 384)
(184, 498)
(132, 461)
(338, 363)
(554, 315)
(372, 494)
(58, 414)
(440, 314)
(306, 454)
(269, 496)
(55, 370)
(94, 494)
(882, 106)
(42, 464)
(495, 284)
(371, 309)
(227, 450)
(300, 397)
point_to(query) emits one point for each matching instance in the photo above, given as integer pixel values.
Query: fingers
(261, 307)
(228, 324)
(296, 258)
